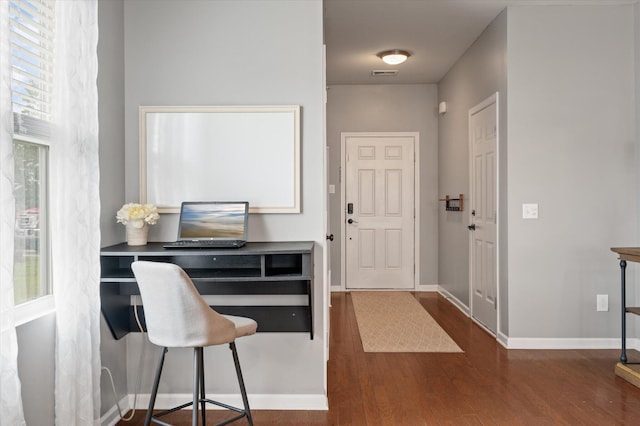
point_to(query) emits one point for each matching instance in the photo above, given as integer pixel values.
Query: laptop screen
(219, 220)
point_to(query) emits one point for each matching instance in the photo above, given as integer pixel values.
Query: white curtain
(75, 214)
(11, 412)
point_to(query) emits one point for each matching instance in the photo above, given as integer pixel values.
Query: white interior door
(483, 136)
(379, 211)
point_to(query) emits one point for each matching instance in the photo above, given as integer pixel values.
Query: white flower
(138, 214)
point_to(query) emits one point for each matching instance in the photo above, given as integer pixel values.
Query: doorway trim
(416, 205)
(494, 98)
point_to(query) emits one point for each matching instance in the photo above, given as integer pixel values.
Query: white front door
(379, 210)
(483, 212)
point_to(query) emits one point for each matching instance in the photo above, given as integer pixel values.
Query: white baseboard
(427, 287)
(502, 339)
(547, 343)
(256, 402)
(631, 344)
(566, 343)
(112, 417)
(457, 303)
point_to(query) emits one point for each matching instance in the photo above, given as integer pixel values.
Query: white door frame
(488, 101)
(326, 252)
(416, 191)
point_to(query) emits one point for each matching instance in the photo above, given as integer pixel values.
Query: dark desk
(258, 268)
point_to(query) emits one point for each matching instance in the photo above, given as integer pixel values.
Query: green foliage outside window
(29, 273)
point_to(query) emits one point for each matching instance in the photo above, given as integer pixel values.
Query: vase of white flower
(137, 218)
(137, 236)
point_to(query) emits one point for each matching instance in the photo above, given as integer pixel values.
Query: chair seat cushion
(244, 326)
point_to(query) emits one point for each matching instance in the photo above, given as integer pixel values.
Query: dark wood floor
(485, 385)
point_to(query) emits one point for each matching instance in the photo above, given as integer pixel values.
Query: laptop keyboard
(204, 243)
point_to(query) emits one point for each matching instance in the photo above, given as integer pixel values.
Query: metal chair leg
(154, 390)
(199, 397)
(203, 397)
(243, 391)
(196, 385)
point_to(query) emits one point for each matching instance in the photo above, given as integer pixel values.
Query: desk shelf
(633, 255)
(280, 268)
(627, 371)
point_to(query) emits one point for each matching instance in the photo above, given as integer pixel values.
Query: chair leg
(243, 391)
(203, 397)
(196, 385)
(154, 390)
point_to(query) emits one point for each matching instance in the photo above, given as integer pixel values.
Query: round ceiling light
(394, 57)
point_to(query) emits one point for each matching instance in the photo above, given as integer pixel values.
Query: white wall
(388, 108)
(235, 53)
(573, 150)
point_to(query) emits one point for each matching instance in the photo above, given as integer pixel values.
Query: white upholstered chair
(177, 316)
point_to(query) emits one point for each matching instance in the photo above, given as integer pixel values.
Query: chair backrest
(175, 313)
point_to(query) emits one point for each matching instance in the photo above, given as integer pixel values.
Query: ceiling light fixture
(394, 57)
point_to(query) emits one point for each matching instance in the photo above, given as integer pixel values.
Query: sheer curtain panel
(11, 413)
(75, 214)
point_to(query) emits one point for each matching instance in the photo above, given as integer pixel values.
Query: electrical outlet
(602, 303)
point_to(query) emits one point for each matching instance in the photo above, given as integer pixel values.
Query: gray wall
(572, 149)
(111, 116)
(568, 143)
(112, 183)
(388, 108)
(478, 74)
(634, 296)
(637, 107)
(235, 53)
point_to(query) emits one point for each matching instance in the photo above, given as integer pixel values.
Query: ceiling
(436, 32)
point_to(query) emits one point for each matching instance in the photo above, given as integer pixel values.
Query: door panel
(393, 253)
(393, 204)
(379, 237)
(484, 261)
(367, 248)
(366, 195)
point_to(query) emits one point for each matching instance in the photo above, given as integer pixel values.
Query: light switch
(332, 189)
(602, 302)
(530, 211)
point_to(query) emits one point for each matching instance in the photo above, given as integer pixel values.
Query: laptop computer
(212, 224)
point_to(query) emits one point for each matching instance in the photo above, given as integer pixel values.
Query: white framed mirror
(226, 153)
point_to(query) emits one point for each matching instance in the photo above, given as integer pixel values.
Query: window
(30, 269)
(31, 32)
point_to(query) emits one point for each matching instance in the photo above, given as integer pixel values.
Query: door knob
(351, 221)
(472, 227)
